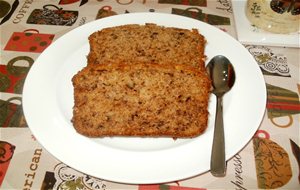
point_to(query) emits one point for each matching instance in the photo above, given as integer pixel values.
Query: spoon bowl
(222, 76)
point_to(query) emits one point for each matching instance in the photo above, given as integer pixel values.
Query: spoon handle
(218, 164)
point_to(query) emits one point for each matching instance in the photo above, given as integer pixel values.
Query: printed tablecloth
(269, 161)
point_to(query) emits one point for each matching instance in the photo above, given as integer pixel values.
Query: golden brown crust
(140, 99)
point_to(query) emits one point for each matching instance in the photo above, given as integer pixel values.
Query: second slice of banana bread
(147, 43)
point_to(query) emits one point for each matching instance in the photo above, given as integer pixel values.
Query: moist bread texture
(152, 100)
(147, 43)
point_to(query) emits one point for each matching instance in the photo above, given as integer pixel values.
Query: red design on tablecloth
(65, 2)
(29, 41)
(11, 114)
(12, 77)
(282, 103)
(202, 3)
(6, 154)
(11, 81)
(262, 134)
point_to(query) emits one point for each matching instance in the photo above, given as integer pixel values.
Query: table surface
(270, 160)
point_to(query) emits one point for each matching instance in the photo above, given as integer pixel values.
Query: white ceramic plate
(247, 34)
(48, 102)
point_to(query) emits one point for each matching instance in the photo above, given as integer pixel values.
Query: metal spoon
(222, 75)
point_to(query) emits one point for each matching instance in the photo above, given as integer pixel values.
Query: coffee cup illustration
(30, 40)
(7, 9)
(52, 15)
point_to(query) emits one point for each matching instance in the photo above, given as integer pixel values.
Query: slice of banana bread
(139, 99)
(147, 43)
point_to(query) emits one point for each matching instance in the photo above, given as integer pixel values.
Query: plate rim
(33, 124)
